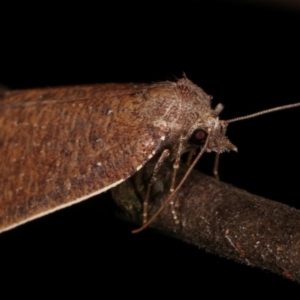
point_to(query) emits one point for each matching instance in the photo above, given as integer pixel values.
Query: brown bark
(221, 219)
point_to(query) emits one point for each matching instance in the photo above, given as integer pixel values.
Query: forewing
(61, 146)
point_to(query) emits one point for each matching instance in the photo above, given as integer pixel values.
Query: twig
(221, 219)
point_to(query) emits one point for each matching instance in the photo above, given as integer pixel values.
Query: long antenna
(177, 188)
(263, 112)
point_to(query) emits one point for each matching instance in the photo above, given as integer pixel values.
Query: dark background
(246, 56)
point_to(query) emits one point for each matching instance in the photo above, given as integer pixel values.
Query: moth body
(60, 146)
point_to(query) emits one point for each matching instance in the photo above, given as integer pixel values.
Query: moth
(60, 146)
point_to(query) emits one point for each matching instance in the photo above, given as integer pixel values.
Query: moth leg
(216, 166)
(165, 154)
(190, 157)
(175, 169)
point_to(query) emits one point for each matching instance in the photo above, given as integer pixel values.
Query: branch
(221, 219)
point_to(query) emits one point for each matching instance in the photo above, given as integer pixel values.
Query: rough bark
(220, 218)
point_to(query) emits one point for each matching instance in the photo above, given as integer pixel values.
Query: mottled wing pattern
(61, 146)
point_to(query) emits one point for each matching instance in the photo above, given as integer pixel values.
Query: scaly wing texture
(60, 146)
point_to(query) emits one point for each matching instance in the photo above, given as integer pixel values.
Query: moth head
(216, 129)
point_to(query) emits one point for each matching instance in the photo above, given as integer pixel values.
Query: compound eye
(198, 137)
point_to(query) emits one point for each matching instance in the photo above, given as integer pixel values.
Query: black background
(246, 56)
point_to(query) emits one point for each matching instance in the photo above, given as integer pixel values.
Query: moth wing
(58, 153)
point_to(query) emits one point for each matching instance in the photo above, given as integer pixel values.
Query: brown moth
(60, 146)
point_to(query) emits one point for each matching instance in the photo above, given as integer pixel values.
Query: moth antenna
(263, 112)
(144, 226)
